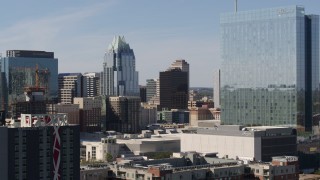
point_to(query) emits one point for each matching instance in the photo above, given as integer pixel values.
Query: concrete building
(93, 150)
(156, 143)
(148, 115)
(189, 166)
(90, 113)
(152, 89)
(98, 172)
(70, 86)
(180, 64)
(258, 143)
(281, 167)
(119, 76)
(43, 146)
(18, 70)
(91, 84)
(174, 89)
(123, 114)
(197, 114)
(270, 67)
(72, 110)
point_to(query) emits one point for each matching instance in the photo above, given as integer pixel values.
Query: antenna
(235, 6)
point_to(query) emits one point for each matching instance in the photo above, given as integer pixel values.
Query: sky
(159, 31)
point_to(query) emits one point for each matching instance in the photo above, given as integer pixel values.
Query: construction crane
(36, 88)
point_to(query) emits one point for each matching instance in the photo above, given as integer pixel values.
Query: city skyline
(159, 32)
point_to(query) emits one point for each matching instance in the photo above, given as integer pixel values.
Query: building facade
(143, 93)
(70, 86)
(90, 113)
(238, 142)
(174, 89)
(72, 110)
(153, 91)
(123, 114)
(44, 147)
(119, 76)
(148, 115)
(91, 84)
(281, 167)
(183, 65)
(270, 70)
(180, 64)
(18, 70)
(99, 150)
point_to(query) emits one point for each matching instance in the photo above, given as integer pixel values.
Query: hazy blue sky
(159, 31)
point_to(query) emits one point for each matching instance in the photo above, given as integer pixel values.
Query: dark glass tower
(18, 71)
(174, 89)
(270, 70)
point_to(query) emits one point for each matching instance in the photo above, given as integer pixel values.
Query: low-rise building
(189, 166)
(173, 116)
(281, 167)
(93, 150)
(258, 143)
(157, 143)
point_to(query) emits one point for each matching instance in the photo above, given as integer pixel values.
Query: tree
(109, 157)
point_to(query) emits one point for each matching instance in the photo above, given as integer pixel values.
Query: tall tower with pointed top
(119, 77)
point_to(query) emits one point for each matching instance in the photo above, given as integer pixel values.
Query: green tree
(109, 157)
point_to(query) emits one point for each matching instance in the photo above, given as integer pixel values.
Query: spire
(118, 43)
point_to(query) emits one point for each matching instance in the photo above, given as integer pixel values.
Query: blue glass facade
(270, 69)
(119, 75)
(20, 72)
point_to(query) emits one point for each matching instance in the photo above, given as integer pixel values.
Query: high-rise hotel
(270, 69)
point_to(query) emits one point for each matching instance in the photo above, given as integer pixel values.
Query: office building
(180, 64)
(34, 103)
(2, 90)
(270, 69)
(43, 147)
(90, 113)
(258, 143)
(143, 94)
(123, 114)
(91, 84)
(18, 70)
(70, 86)
(72, 110)
(183, 65)
(148, 115)
(119, 76)
(174, 89)
(153, 91)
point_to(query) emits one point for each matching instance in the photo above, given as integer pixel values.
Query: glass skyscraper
(119, 76)
(270, 69)
(18, 71)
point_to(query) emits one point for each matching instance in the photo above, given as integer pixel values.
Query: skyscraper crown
(118, 43)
